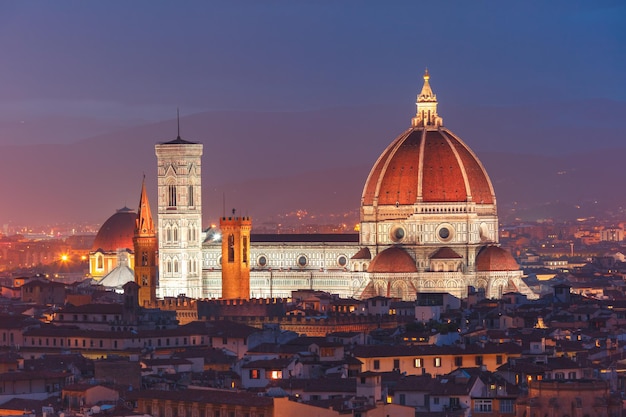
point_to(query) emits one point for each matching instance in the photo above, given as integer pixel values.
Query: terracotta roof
(117, 232)
(494, 258)
(318, 384)
(445, 253)
(305, 237)
(426, 164)
(393, 259)
(208, 397)
(278, 363)
(93, 309)
(363, 253)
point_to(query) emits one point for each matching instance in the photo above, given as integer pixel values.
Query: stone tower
(179, 218)
(146, 247)
(235, 257)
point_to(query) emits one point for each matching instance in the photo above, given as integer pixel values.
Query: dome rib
(480, 186)
(427, 165)
(371, 189)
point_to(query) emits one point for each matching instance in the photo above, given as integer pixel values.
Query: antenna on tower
(178, 122)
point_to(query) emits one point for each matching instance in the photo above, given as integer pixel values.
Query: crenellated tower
(146, 248)
(235, 257)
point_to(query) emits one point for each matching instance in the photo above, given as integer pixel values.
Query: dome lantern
(426, 114)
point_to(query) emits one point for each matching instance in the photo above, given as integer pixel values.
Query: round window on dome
(445, 233)
(302, 261)
(397, 234)
(342, 260)
(262, 261)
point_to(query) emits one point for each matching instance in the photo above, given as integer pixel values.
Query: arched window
(175, 233)
(175, 266)
(169, 266)
(99, 262)
(168, 234)
(245, 250)
(191, 202)
(231, 248)
(171, 195)
(144, 258)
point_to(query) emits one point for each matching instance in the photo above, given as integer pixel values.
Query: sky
(78, 71)
(105, 65)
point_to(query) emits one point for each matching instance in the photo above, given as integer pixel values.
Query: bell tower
(179, 218)
(235, 257)
(146, 247)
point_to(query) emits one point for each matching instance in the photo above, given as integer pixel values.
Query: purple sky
(339, 76)
(85, 68)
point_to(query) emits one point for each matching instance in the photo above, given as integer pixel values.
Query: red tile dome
(117, 232)
(428, 165)
(494, 258)
(393, 259)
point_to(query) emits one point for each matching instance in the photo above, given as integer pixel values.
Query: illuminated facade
(146, 247)
(179, 218)
(235, 257)
(113, 245)
(429, 223)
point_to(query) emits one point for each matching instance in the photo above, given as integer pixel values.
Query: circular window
(445, 232)
(397, 234)
(342, 260)
(302, 261)
(261, 261)
(219, 260)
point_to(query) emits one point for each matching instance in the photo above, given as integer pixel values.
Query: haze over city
(295, 100)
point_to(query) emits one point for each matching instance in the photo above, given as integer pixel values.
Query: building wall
(574, 398)
(433, 364)
(179, 211)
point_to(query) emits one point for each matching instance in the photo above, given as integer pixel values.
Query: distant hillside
(265, 164)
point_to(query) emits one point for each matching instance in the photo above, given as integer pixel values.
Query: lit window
(275, 374)
(437, 362)
(418, 362)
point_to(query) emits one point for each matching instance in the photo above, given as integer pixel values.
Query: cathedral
(428, 223)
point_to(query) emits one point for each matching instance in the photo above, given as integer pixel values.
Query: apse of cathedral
(428, 223)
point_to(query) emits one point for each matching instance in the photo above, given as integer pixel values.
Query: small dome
(118, 277)
(494, 258)
(363, 253)
(445, 253)
(393, 259)
(117, 232)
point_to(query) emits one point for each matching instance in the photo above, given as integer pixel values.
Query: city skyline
(327, 84)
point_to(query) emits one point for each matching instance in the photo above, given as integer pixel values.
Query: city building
(179, 221)
(429, 223)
